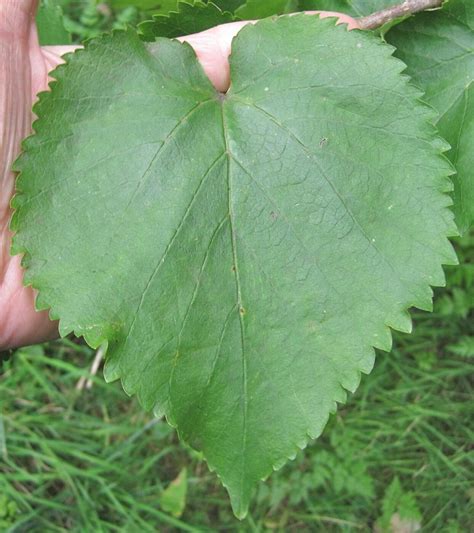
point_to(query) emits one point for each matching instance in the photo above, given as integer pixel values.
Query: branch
(408, 7)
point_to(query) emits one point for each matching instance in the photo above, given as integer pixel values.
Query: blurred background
(79, 455)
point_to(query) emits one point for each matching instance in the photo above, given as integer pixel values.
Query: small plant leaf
(438, 48)
(400, 511)
(228, 5)
(50, 24)
(464, 347)
(240, 254)
(173, 498)
(355, 8)
(256, 9)
(154, 6)
(190, 17)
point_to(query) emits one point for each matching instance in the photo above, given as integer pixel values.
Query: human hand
(24, 68)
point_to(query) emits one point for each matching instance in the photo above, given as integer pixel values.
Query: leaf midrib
(240, 306)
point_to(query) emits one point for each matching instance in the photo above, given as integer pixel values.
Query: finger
(21, 324)
(19, 51)
(16, 26)
(213, 46)
(16, 18)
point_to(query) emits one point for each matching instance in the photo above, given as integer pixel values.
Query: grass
(92, 460)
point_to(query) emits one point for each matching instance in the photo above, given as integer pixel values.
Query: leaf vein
(170, 244)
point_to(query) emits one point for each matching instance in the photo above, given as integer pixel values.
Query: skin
(24, 68)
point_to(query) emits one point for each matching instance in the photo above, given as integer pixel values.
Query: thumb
(212, 48)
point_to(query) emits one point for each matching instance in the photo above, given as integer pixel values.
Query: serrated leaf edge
(142, 27)
(404, 320)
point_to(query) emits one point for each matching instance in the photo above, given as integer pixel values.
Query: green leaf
(228, 5)
(256, 9)
(464, 347)
(438, 48)
(50, 24)
(400, 510)
(355, 8)
(189, 18)
(157, 6)
(173, 498)
(8, 512)
(240, 254)
(164, 7)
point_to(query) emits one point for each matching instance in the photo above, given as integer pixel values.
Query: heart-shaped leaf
(240, 254)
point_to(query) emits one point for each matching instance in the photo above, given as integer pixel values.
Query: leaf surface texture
(240, 254)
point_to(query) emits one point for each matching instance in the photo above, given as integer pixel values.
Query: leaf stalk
(406, 8)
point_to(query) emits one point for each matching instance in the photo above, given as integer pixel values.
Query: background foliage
(82, 459)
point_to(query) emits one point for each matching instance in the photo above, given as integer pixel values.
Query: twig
(86, 382)
(408, 7)
(80, 383)
(95, 366)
